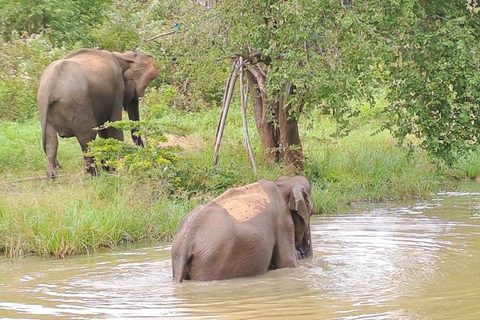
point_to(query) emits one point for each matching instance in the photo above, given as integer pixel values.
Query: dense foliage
(435, 93)
(425, 55)
(358, 67)
(67, 22)
(421, 57)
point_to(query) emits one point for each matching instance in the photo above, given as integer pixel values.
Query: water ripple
(415, 261)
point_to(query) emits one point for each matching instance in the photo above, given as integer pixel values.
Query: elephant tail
(181, 259)
(43, 111)
(182, 250)
(45, 100)
(181, 268)
(43, 121)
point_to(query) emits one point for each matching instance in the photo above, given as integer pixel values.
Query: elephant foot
(52, 175)
(137, 139)
(90, 166)
(107, 168)
(52, 171)
(92, 170)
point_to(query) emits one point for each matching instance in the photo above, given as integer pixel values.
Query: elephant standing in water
(85, 89)
(246, 231)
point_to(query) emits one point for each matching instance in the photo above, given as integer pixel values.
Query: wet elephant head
(297, 193)
(245, 231)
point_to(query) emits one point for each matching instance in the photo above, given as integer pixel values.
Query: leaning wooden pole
(222, 111)
(243, 98)
(227, 98)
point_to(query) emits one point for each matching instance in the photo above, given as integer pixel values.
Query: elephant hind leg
(50, 141)
(89, 162)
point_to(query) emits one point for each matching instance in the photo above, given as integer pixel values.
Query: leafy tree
(66, 22)
(294, 60)
(436, 85)
(306, 54)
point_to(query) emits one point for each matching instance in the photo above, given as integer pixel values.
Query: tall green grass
(78, 214)
(81, 214)
(366, 167)
(21, 153)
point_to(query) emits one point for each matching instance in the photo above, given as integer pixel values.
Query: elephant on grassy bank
(85, 89)
(246, 231)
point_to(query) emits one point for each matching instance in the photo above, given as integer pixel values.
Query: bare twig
(27, 179)
(227, 98)
(243, 98)
(227, 28)
(33, 179)
(205, 4)
(158, 36)
(155, 37)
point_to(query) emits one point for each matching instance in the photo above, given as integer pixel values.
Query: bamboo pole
(227, 98)
(159, 36)
(227, 85)
(243, 98)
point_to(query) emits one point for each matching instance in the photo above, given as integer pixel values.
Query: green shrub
(65, 22)
(21, 65)
(150, 161)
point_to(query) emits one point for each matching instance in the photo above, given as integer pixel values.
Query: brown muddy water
(383, 261)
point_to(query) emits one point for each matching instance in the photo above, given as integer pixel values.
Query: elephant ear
(300, 202)
(137, 67)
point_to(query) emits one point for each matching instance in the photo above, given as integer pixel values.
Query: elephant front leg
(134, 115)
(284, 253)
(90, 166)
(89, 162)
(137, 139)
(283, 258)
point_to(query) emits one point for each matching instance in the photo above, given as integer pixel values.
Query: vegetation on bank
(78, 214)
(381, 75)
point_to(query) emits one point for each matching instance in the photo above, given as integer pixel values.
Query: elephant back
(244, 203)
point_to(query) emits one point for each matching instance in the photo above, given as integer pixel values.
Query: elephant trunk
(304, 247)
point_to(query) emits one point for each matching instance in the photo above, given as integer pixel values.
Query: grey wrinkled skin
(213, 244)
(85, 89)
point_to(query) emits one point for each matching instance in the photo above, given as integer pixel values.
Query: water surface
(383, 261)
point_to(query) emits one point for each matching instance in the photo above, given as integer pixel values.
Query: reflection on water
(384, 261)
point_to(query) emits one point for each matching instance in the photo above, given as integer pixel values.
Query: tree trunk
(264, 117)
(277, 129)
(290, 143)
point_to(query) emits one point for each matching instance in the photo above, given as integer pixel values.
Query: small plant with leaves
(152, 160)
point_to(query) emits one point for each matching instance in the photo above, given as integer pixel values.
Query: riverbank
(78, 214)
